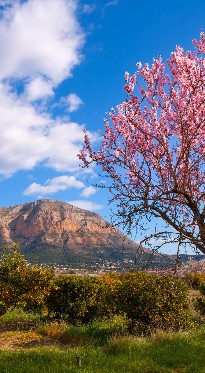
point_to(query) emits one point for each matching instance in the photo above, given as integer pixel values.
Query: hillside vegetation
(133, 322)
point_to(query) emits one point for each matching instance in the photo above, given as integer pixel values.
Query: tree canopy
(153, 148)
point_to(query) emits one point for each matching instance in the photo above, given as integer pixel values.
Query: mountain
(58, 232)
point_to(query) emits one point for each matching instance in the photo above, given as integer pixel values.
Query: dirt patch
(21, 339)
(10, 340)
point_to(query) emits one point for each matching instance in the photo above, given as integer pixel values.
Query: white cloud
(22, 141)
(54, 185)
(40, 44)
(72, 101)
(29, 138)
(40, 37)
(64, 141)
(38, 88)
(87, 192)
(86, 205)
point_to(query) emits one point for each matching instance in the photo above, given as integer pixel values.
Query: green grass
(18, 316)
(164, 353)
(104, 347)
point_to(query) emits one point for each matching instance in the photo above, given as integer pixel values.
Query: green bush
(200, 305)
(79, 299)
(148, 301)
(200, 301)
(153, 301)
(195, 280)
(22, 284)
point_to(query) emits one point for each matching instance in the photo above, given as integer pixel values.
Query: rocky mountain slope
(59, 232)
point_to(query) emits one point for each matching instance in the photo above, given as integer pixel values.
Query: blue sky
(62, 65)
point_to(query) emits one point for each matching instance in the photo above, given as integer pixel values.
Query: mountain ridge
(57, 226)
(55, 231)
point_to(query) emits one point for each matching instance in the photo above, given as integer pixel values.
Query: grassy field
(28, 344)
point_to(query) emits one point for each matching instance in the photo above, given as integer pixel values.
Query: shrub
(195, 280)
(153, 301)
(22, 284)
(80, 299)
(200, 305)
(148, 301)
(200, 301)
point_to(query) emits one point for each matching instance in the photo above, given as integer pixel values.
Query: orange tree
(22, 284)
(80, 299)
(153, 301)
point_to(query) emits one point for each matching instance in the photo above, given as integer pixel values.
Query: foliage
(195, 280)
(200, 301)
(200, 305)
(153, 302)
(153, 149)
(149, 301)
(80, 299)
(21, 283)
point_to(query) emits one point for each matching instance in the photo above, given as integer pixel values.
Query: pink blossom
(156, 142)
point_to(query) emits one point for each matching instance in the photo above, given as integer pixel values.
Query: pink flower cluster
(153, 147)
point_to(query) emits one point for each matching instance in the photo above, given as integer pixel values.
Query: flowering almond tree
(153, 148)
